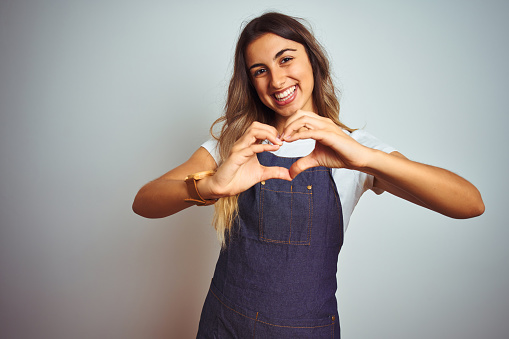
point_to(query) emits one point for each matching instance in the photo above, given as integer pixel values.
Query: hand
(241, 169)
(334, 148)
(425, 185)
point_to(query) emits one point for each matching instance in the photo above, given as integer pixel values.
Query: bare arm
(241, 170)
(165, 196)
(432, 187)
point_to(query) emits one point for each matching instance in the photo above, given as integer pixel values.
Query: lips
(286, 96)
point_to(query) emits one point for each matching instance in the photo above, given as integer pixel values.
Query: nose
(278, 78)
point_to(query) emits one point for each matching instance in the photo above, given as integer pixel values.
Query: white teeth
(283, 96)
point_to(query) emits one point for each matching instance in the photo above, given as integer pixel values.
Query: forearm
(161, 198)
(432, 187)
(165, 196)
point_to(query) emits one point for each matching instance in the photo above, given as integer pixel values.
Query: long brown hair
(243, 106)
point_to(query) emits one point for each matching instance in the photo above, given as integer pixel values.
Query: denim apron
(276, 278)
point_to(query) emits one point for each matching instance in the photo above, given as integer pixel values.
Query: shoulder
(211, 147)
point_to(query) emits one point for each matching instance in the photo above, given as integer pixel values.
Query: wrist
(195, 197)
(365, 161)
(373, 161)
(381, 164)
(204, 188)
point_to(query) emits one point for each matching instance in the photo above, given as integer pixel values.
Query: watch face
(199, 175)
(202, 175)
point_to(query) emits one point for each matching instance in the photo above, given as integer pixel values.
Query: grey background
(99, 97)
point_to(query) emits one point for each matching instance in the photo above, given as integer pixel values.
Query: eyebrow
(278, 54)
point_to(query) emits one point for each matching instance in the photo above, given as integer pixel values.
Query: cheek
(306, 81)
(310, 75)
(260, 89)
(305, 74)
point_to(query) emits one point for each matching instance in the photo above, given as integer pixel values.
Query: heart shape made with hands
(333, 148)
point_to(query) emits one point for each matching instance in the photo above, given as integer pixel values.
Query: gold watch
(192, 188)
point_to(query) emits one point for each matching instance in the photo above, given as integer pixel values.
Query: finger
(260, 126)
(253, 138)
(301, 165)
(300, 113)
(256, 134)
(259, 148)
(256, 148)
(316, 134)
(301, 124)
(257, 124)
(274, 172)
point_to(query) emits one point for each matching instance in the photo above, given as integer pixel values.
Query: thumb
(274, 172)
(301, 165)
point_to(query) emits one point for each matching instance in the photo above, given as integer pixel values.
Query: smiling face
(281, 74)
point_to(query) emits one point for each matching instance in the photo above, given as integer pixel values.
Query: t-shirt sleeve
(211, 146)
(368, 140)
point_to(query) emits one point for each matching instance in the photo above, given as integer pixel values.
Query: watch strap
(192, 188)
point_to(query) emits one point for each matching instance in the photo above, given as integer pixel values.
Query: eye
(286, 59)
(259, 71)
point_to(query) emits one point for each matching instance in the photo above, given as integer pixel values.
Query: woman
(288, 174)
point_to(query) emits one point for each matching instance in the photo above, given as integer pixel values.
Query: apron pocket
(286, 212)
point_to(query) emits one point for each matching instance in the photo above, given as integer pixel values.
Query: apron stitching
(264, 322)
(254, 327)
(295, 242)
(310, 224)
(260, 228)
(316, 170)
(291, 214)
(291, 192)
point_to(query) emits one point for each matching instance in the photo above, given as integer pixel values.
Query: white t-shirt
(350, 184)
